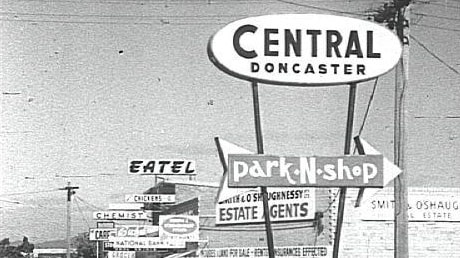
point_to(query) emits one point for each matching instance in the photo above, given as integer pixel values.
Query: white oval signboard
(304, 49)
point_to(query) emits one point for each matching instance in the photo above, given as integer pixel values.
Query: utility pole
(260, 150)
(401, 227)
(70, 191)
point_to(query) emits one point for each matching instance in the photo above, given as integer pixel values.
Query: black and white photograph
(229, 128)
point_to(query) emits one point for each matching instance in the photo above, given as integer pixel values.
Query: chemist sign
(250, 170)
(304, 49)
(285, 204)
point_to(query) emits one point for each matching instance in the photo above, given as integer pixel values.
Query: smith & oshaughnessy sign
(304, 49)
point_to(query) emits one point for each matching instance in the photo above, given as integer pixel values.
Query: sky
(89, 85)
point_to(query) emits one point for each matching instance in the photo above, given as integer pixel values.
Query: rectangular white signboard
(162, 167)
(136, 231)
(425, 204)
(150, 198)
(126, 206)
(179, 228)
(253, 170)
(285, 204)
(144, 243)
(100, 234)
(262, 252)
(120, 215)
(121, 254)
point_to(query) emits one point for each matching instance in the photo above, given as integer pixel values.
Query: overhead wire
(320, 8)
(444, 5)
(33, 192)
(436, 16)
(166, 3)
(81, 212)
(436, 27)
(89, 204)
(434, 55)
(9, 201)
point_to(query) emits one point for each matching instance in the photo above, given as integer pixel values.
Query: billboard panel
(162, 167)
(144, 243)
(136, 231)
(121, 254)
(100, 234)
(285, 204)
(120, 215)
(150, 198)
(262, 252)
(425, 204)
(179, 228)
(250, 170)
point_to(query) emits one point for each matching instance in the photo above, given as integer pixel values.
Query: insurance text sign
(251, 170)
(304, 49)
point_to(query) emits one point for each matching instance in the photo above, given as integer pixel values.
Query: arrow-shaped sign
(368, 170)
(391, 171)
(244, 205)
(225, 148)
(251, 170)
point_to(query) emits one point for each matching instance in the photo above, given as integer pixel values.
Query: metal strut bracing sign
(304, 49)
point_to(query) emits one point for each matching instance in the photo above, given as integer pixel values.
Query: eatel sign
(304, 49)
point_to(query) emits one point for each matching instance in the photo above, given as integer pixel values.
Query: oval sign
(304, 49)
(179, 225)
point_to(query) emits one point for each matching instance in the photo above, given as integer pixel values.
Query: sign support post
(260, 150)
(343, 190)
(401, 231)
(70, 191)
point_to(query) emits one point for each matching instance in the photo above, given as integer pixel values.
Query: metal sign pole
(260, 150)
(343, 190)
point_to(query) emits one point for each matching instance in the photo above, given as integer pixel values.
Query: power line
(160, 23)
(436, 27)
(320, 8)
(166, 3)
(24, 193)
(212, 16)
(444, 5)
(88, 204)
(437, 16)
(81, 212)
(8, 201)
(434, 55)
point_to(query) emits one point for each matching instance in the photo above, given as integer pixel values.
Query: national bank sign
(304, 49)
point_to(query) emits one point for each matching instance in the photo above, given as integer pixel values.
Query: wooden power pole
(401, 227)
(70, 191)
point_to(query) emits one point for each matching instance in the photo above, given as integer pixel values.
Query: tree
(85, 248)
(9, 251)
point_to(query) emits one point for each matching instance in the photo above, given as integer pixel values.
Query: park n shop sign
(304, 49)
